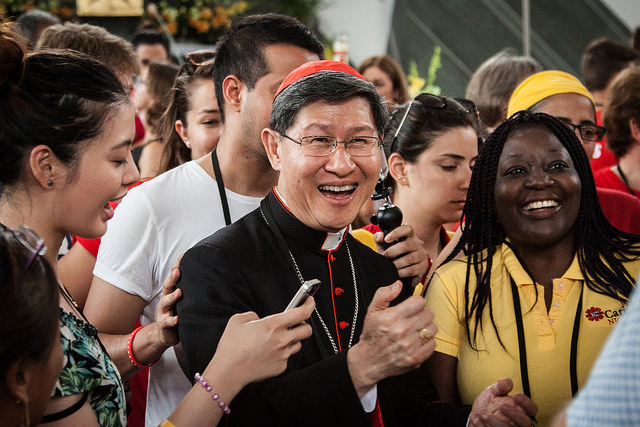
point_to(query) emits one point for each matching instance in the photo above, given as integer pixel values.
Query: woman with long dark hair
(545, 276)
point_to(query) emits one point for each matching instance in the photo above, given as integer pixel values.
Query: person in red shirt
(603, 59)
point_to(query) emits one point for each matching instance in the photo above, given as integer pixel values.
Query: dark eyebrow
(127, 143)
(214, 111)
(453, 156)
(567, 120)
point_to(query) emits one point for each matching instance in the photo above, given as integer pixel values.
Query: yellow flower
(238, 7)
(66, 12)
(220, 18)
(173, 27)
(206, 13)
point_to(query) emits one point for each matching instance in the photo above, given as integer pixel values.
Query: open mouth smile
(541, 204)
(337, 191)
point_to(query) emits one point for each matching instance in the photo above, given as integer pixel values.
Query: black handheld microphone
(389, 216)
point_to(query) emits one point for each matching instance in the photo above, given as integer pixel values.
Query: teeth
(541, 204)
(336, 188)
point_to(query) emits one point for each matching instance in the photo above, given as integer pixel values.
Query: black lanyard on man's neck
(223, 194)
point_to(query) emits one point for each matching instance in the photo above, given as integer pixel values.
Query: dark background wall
(469, 32)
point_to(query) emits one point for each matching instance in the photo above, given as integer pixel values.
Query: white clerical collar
(333, 240)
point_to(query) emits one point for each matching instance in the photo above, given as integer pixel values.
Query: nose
(538, 178)
(131, 173)
(340, 162)
(465, 178)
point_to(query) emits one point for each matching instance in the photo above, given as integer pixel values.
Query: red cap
(315, 67)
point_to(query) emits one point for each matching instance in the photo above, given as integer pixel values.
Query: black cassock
(243, 268)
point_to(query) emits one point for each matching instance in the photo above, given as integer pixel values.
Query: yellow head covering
(543, 85)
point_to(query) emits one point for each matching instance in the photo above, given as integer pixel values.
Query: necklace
(625, 180)
(283, 246)
(356, 302)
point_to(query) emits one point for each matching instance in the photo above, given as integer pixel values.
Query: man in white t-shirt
(161, 219)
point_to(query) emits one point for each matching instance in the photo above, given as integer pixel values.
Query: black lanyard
(223, 194)
(524, 371)
(286, 253)
(625, 180)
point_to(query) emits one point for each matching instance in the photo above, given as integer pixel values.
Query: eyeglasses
(30, 240)
(430, 100)
(321, 146)
(588, 132)
(196, 59)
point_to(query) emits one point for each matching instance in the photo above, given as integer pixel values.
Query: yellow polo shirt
(547, 335)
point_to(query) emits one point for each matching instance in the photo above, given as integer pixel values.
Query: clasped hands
(494, 407)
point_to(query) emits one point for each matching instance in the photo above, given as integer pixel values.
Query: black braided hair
(601, 248)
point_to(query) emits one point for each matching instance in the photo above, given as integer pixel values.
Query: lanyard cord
(524, 371)
(625, 180)
(220, 182)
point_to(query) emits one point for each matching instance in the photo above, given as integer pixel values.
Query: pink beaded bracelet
(214, 396)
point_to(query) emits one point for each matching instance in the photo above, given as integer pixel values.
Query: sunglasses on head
(430, 100)
(30, 240)
(195, 59)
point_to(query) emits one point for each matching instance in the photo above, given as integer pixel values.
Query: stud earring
(49, 183)
(188, 144)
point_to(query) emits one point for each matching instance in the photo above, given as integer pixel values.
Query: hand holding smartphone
(307, 289)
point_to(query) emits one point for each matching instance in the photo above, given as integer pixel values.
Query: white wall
(628, 11)
(366, 22)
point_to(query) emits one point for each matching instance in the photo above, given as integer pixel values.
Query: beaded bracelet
(214, 396)
(130, 349)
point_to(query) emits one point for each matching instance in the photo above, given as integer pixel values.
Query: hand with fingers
(256, 349)
(496, 408)
(407, 253)
(250, 350)
(394, 339)
(166, 319)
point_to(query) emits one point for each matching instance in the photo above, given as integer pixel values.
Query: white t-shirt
(155, 223)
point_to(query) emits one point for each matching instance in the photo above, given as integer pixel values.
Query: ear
(17, 380)
(44, 165)
(182, 131)
(232, 91)
(634, 128)
(398, 168)
(270, 141)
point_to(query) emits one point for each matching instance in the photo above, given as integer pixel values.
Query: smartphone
(307, 289)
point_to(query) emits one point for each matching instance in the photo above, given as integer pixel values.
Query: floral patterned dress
(89, 369)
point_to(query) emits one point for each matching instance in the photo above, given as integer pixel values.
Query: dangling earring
(25, 419)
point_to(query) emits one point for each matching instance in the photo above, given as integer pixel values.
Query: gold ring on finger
(426, 335)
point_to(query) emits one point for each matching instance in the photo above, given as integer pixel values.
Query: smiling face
(382, 83)
(537, 190)
(436, 185)
(104, 170)
(325, 193)
(571, 108)
(204, 124)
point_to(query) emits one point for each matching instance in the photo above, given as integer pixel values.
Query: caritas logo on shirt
(596, 314)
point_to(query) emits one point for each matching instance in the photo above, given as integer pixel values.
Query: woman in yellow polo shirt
(545, 277)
